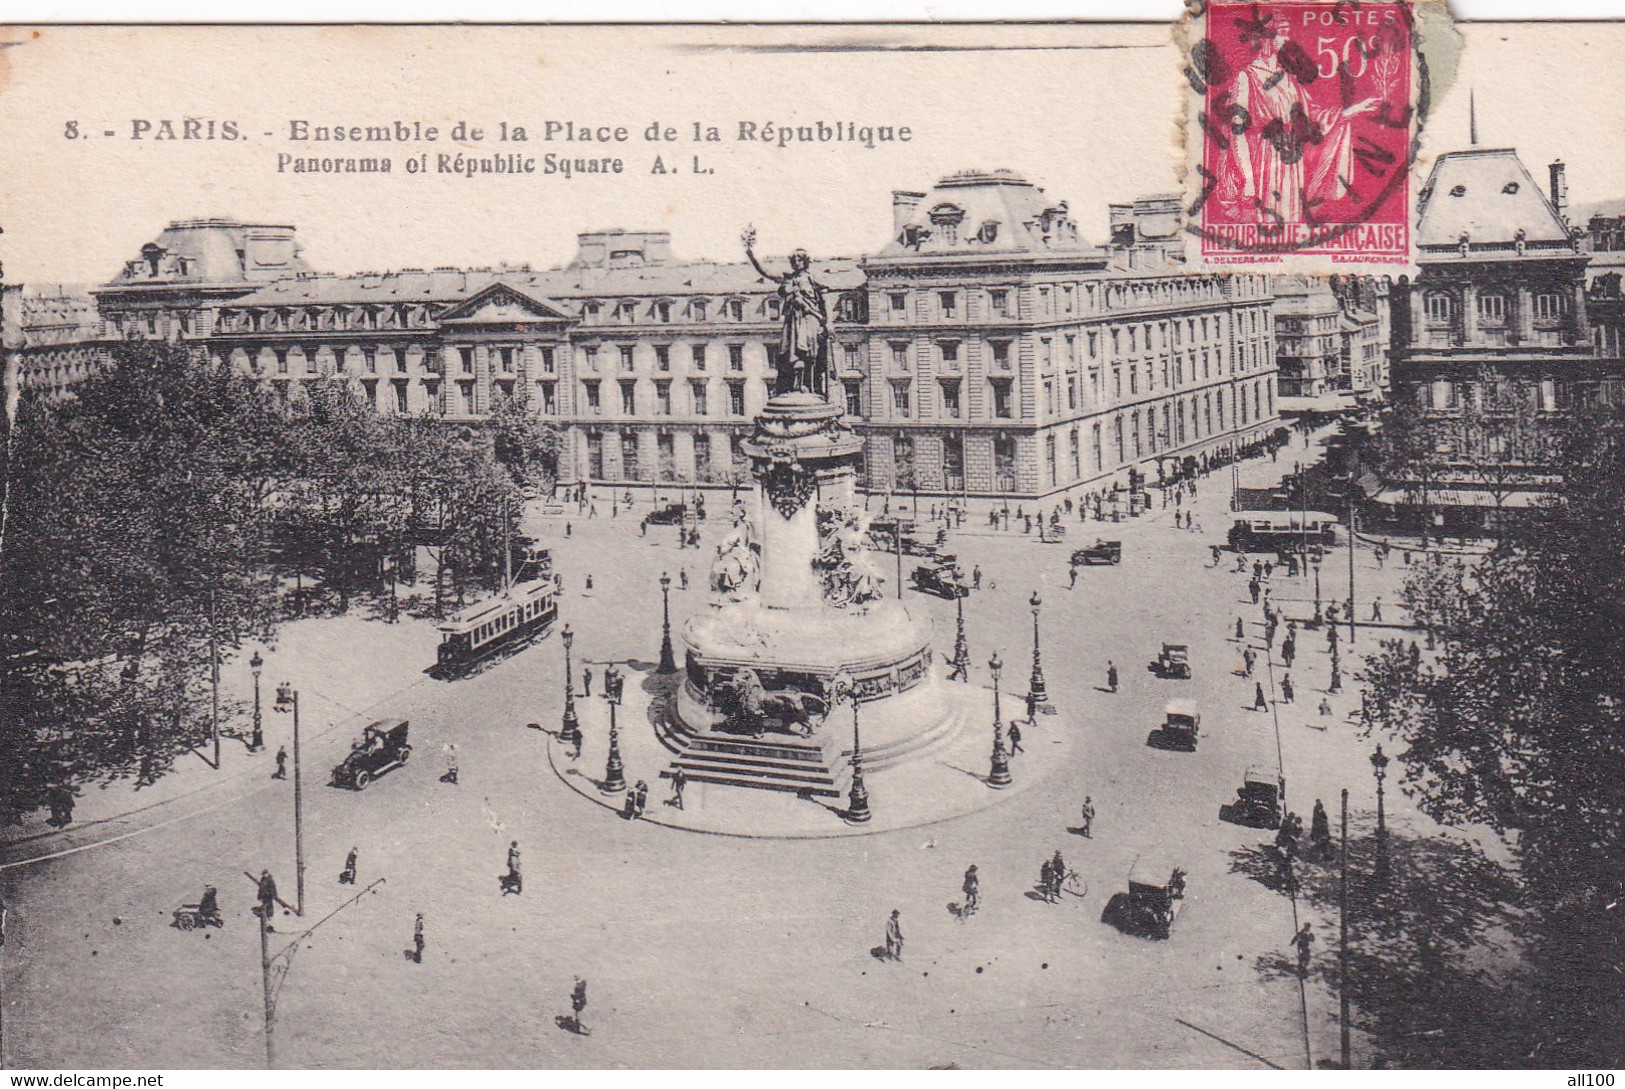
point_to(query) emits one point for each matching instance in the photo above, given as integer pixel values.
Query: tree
(523, 445)
(1518, 722)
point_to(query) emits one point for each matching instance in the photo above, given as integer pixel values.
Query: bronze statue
(804, 342)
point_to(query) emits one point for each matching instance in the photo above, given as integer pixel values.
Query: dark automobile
(669, 515)
(1174, 662)
(1156, 891)
(382, 748)
(1258, 801)
(1099, 552)
(942, 579)
(882, 537)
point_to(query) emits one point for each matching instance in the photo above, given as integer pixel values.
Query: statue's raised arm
(749, 239)
(803, 361)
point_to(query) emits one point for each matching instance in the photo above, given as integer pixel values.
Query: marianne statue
(805, 339)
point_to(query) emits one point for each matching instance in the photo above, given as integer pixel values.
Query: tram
(497, 627)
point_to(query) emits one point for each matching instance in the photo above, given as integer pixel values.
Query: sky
(1088, 112)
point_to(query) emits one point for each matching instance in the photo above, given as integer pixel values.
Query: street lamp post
(570, 733)
(1379, 767)
(614, 772)
(668, 662)
(287, 699)
(1036, 685)
(999, 774)
(857, 798)
(961, 658)
(257, 743)
(1318, 616)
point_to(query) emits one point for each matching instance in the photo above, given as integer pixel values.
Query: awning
(1460, 497)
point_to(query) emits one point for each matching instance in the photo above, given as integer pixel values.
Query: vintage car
(882, 537)
(1100, 552)
(1259, 799)
(382, 748)
(944, 579)
(1174, 662)
(1156, 892)
(1181, 723)
(669, 515)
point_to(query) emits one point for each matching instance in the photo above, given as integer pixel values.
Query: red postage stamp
(1306, 124)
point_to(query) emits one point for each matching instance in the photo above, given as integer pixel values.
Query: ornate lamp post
(961, 659)
(999, 775)
(1036, 684)
(614, 773)
(257, 743)
(857, 799)
(668, 663)
(1315, 562)
(1379, 767)
(570, 733)
(287, 699)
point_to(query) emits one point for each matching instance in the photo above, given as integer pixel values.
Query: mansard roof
(990, 212)
(1487, 194)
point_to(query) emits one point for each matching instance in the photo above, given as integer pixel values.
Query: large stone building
(986, 349)
(1493, 337)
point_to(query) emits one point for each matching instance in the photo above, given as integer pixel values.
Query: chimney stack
(1560, 192)
(903, 204)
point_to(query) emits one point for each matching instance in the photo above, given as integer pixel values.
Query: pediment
(503, 304)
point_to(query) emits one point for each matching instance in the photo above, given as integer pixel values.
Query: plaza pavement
(718, 950)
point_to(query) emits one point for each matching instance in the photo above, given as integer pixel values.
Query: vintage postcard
(1059, 545)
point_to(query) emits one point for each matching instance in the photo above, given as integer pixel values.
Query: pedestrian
(682, 578)
(578, 1002)
(1057, 874)
(1303, 939)
(1240, 631)
(1072, 582)
(1286, 688)
(1376, 611)
(643, 527)
(348, 876)
(973, 892)
(1325, 707)
(642, 790)
(1331, 638)
(567, 529)
(976, 577)
(1252, 588)
(1015, 737)
(1289, 649)
(1027, 524)
(588, 591)
(1259, 703)
(1046, 880)
(1248, 658)
(417, 940)
(267, 896)
(281, 771)
(894, 937)
(1086, 816)
(679, 779)
(1320, 829)
(1407, 557)
(512, 881)
(1337, 678)
(586, 681)
(592, 511)
(1111, 675)
(1032, 708)
(451, 764)
(629, 805)
(1215, 550)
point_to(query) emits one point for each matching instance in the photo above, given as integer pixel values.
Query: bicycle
(1074, 883)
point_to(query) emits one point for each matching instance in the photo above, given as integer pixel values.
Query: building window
(549, 366)
(736, 309)
(696, 309)
(953, 462)
(1077, 456)
(774, 307)
(663, 398)
(662, 311)
(899, 303)
(626, 357)
(1492, 309)
(702, 456)
(736, 398)
(550, 398)
(282, 361)
(662, 357)
(504, 360)
(950, 354)
(736, 357)
(629, 398)
(589, 353)
(1134, 433)
(853, 357)
(949, 303)
(697, 354)
(1049, 457)
(1094, 441)
(998, 301)
(901, 398)
(696, 394)
(1001, 397)
(1066, 293)
(1001, 353)
(854, 396)
(1117, 437)
(1548, 306)
(629, 456)
(595, 456)
(400, 398)
(1004, 463)
(466, 391)
(465, 357)
(666, 456)
(1438, 306)
(899, 355)
(1071, 393)
(626, 311)
(950, 398)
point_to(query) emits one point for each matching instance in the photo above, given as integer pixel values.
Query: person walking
(1259, 702)
(267, 897)
(578, 1002)
(1072, 582)
(976, 577)
(512, 881)
(682, 577)
(1376, 611)
(1046, 880)
(642, 791)
(586, 681)
(1032, 709)
(348, 876)
(1253, 588)
(679, 779)
(894, 936)
(1286, 688)
(1320, 831)
(417, 940)
(451, 764)
(1289, 650)
(1241, 631)
(973, 892)
(1325, 707)
(281, 771)
(1111, 675)
(1014, 733)
(1303, 939)
(1249, 658)
(1086, 817)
